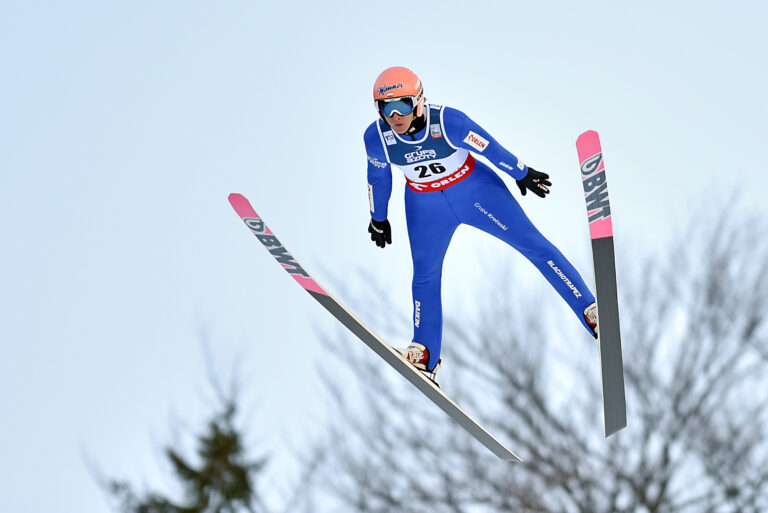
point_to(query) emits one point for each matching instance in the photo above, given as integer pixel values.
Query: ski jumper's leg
(487, 204)
(431, 223)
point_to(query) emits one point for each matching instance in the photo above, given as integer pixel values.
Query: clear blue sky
(124, 125)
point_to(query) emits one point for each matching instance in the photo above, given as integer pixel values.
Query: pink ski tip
(587, 134)
(588, 144)
(241, 205)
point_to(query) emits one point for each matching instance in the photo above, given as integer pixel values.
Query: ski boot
(590, 315)
(418, 356)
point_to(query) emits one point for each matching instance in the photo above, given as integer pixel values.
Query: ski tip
(612, 430)
(238, 200)
(587, 135)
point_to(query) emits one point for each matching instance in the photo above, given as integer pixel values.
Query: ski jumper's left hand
(381, 232)
(535, 181)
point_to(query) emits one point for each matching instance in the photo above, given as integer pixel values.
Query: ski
(257, 226)
(601, 232)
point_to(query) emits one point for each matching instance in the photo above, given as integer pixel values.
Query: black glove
(381, 232)
(536, 181)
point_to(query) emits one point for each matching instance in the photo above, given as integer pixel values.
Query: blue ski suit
(447, 187)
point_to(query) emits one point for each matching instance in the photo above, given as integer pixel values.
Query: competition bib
(431, 163)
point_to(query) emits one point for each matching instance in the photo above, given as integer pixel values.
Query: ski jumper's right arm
(379, 174)
(473, 137)
(467, 134)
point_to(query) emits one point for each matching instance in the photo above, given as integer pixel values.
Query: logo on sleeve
(376, 162)
(370, 198)
(519, 166)
(476, 141)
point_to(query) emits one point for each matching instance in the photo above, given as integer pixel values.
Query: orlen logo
(476, 141)
(387, 88)
(439, 185)
(420, 154)
(595, 188)
(274, 246)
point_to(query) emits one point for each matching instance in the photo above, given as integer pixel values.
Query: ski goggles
(403, 105)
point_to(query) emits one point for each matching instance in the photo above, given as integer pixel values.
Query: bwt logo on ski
(420, 154)
(274, 246)
(595, 188)
(386, 89)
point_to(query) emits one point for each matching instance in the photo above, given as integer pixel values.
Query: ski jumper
(447, 187)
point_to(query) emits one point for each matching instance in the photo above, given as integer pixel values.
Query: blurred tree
(223, 476)
(694, 322)
(222, 482)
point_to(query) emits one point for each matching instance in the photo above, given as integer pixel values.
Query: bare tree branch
(695, 327)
